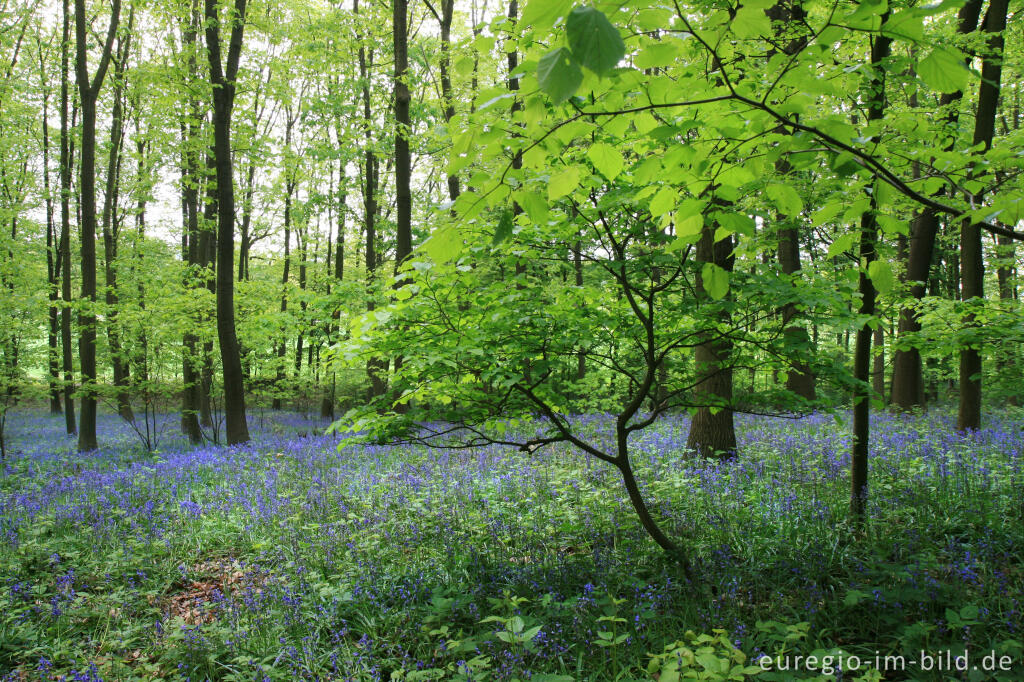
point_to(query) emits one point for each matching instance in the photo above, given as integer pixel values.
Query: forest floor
(287, 559)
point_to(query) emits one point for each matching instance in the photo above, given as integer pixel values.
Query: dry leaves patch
(194, 601)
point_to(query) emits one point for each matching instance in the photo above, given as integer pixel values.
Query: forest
(511, 340)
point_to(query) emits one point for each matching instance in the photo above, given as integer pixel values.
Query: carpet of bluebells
(289, 559)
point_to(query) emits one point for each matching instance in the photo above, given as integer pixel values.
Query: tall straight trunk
(800, 378)
(403, 156)
(88, 93)
(190, 183)
(581, 354)
(375, 367)
(327, 405)
(880, 49)
(972, 267)
(447, 94)
(301, 239)
(52, 261)
(222, 77)
(141, 356)
(512, 59)
(208, 269)
(110, 228)
(285, 276)
(878, 365)
(712, 431)
(907, 370)
(245, 242)
(64, 247)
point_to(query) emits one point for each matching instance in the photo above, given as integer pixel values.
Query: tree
(88, 93)
(972, 264)
(222, 78)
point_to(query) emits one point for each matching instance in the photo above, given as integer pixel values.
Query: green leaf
(504, 228)
(750, 22)
(542, 14)
(444, 244)
(842, 244)
(658, 54)
(689, 226)
(716, 281)
(563, 183)
(534, 205)
(559, 75)
(944, 70)
(606, 159)
(881, 275)
(906, 25)
(594, 42)
(664, 201)
(785, 198)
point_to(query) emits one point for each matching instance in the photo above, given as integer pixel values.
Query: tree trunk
(878, 365)
(375, 367)
(880, 49)
(64, 248)
(88, 94)
(285, 275)
(447, 94)
(907, 370)
(110, 229)
(52, 261)
(223, 80)
(972, 267)
(712, 432)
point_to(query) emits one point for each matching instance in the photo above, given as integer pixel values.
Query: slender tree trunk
(375, 367)
(110, 229)
(244, 242)
(403, 156)
(52, 260)
(878, 364)
(880, 49)
(972, 265)
(223, 80)
(285, 276)
(64, 248)
(301, 239)
(447, 93)
(190, 183)
(88, 94)
(327, 406)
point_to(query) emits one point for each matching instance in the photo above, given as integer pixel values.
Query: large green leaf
(943, 70)
(664, 201)
(786, 199)
(750, 22)
(880, 273)
(716, 281)
(594, 42)
(541, 14)
(444, 244)
(606, 159)
(534, 205)
(559, 75)
(563, 183)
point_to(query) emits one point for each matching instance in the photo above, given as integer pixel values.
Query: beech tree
(88, 93)
(222, 78)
